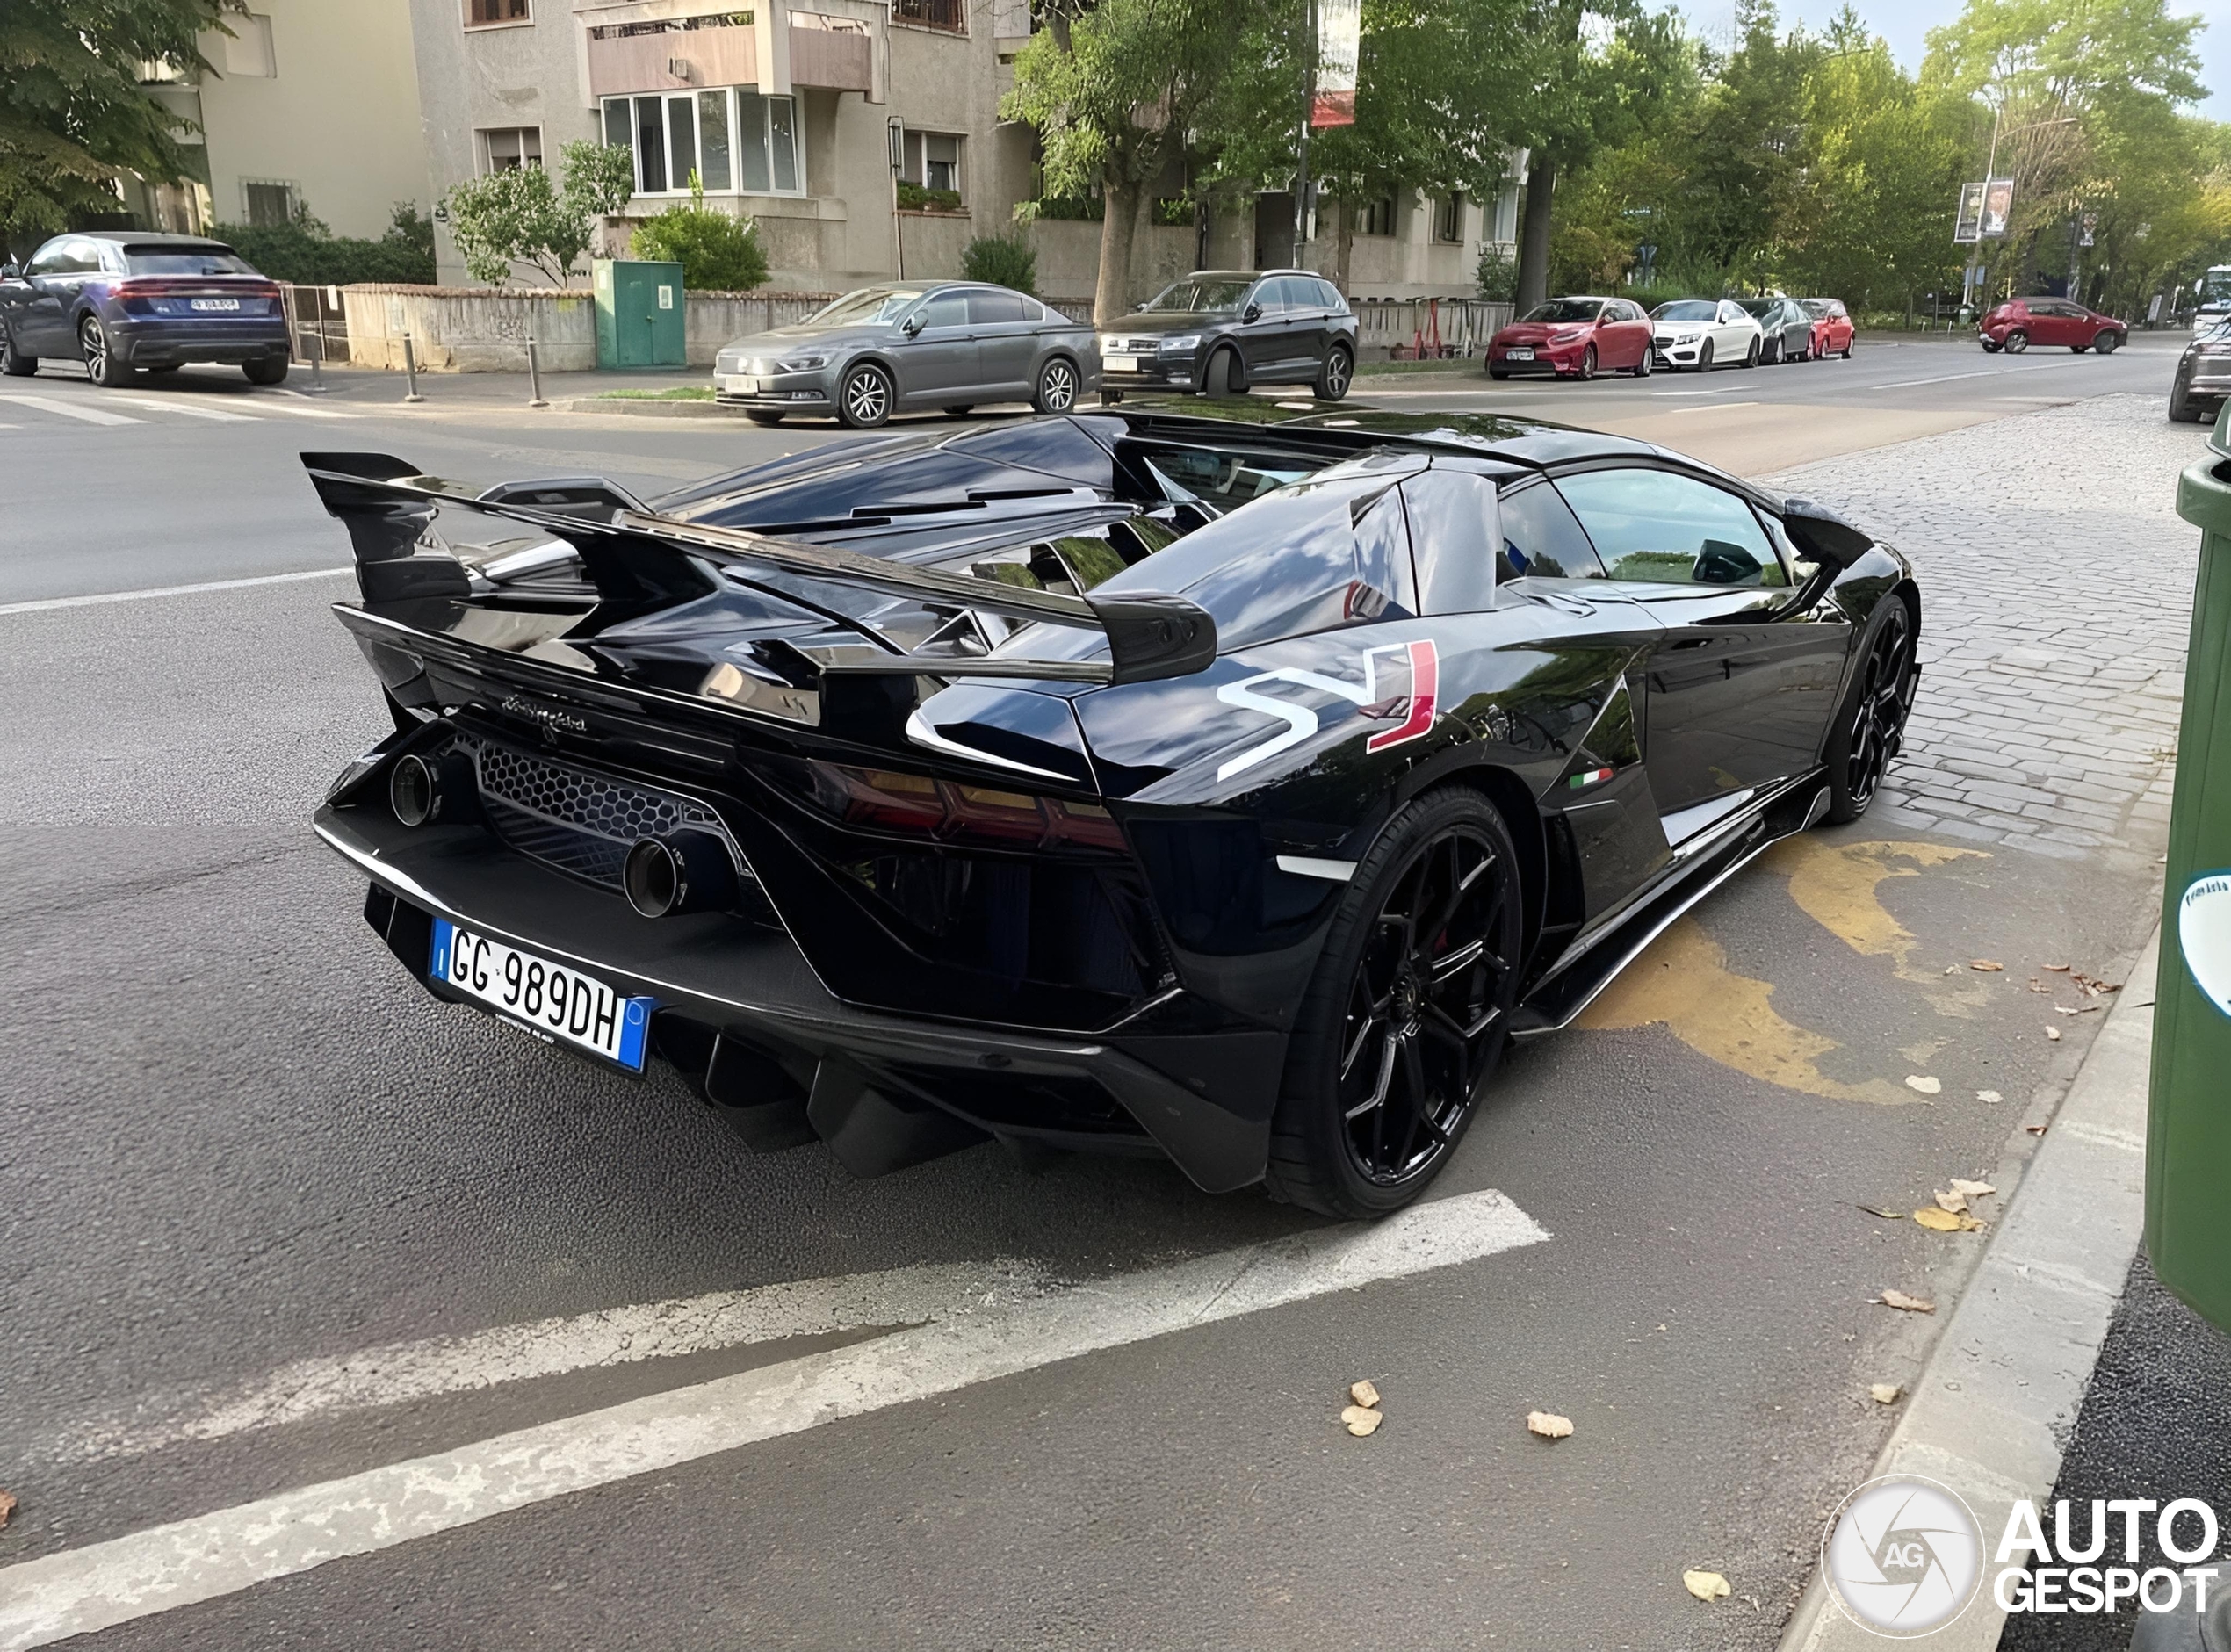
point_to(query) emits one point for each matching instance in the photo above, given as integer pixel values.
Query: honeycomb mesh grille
(581, 822)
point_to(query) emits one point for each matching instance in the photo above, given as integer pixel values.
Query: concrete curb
(643, 408)
(1994, 1406)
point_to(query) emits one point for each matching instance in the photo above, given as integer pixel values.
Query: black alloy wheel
(864, 400)
(101, 366)
(1870, 727)
(12, 364)
(1588, 361)
(1407, 1016)
(2017, 342)
(1056, 390)
(1338, 371)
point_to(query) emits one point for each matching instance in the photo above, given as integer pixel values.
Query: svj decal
(1415, 708)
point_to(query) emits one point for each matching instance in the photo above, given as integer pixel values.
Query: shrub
(1005, 261)
(306, 252)
(1497, 274)
(524, 216)
(718, 253)
(914, 199)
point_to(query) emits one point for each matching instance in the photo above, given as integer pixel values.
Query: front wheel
(1588, 361)
(1870, 723)
(1056, 391)
(102, 364)
(2182, 409)
(1405, 1022)
(13, 364)
(1751, 356)
(1641, 369)
(1338, 371)
(1704, 358)
(1217, 382)
(2107, 344)
(864, 400)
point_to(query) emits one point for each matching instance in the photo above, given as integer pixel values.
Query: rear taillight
(953, 810)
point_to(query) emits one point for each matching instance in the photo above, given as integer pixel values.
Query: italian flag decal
(1425, 685)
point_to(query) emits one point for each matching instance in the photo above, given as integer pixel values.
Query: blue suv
(123, 302)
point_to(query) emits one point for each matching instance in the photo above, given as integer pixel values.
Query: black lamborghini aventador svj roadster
(1231, 787)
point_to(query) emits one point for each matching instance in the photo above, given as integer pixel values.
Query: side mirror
(1821, 535)
(1252, 312)
(912, 326)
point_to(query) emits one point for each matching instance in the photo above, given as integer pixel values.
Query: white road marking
(1724, 390)
(69, 410)
(1713, 407)
(400, 1371)
(179, 404)
(273, 404)
(100, 597)
(80, 1590)
(1980, 372)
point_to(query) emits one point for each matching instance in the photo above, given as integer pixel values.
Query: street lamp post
(1990, 167)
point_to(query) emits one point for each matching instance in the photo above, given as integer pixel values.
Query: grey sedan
(882, 350)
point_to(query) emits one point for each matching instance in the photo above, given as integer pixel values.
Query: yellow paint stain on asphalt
(1838, 886)
(1684, 981)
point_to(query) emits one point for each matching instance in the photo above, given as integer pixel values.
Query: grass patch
(682, 393)
(1454, 364)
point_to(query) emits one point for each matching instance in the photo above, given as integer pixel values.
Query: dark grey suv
(882, 350)
(1221, 331)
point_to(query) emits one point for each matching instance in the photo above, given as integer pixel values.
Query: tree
(73, 116)
(717, 251)
(522, 216)
(1112, 88)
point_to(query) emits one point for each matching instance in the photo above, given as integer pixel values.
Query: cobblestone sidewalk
(2056, 603)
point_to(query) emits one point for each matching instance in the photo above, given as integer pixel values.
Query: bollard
(410, 370)
(2188, 1133)
(317, 364)
(534, 376)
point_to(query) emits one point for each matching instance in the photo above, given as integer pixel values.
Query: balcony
(951, 16)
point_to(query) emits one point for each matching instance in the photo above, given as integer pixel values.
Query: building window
(269, 204)
(1376, 218)
(487, 14)
(933, 160)
(248, 52)
(1449, 218)
(732, 140)
(949, 15)
(508, 149)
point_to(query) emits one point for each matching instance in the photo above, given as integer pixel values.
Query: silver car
(948, 344)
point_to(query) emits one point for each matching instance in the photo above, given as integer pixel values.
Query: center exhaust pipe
(682, 872)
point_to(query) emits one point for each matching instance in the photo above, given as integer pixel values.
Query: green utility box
(639, 315)
(2188, 1136)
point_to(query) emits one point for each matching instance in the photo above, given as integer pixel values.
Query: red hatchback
(2019, 323)
(1574, 338)
(1832, 328)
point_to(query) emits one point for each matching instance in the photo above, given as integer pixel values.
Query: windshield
(868, 306)
(1761, 307)
(1197, 297)
(187, 260)
(2215, 286)
(1817, 307)
(1564, 310)
(1685, 310)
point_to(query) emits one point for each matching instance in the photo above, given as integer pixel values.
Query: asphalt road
(239, 1149)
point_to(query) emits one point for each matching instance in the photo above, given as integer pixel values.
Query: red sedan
(1832, 328)
(2019, 323)
(1574, 338)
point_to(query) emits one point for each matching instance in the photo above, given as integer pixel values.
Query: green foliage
(306, 252)
(523, 216)
(1497, 274)
(1005, 261)
(73, 117)
(1174, 211)
(915, 198)
(1078, 208)
(718, 252)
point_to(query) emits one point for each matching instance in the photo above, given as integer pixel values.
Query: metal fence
(1415, 330)
(317, 325)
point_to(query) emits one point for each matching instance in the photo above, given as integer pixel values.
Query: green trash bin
(640, 319)
(2188, 1136)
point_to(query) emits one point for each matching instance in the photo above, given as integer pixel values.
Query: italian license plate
(215, 304)
(1518, 355)
(741, 385)
(1119, 364)
(550, 1000)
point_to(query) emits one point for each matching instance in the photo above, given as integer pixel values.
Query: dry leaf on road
(1955, 1202)
(1907, 1304)
(2058, 969)
(1985, 966)
(2037, 1130)
(1936, 1221)
(1885, 1392)
(1885, 1214)
(7, 1506)
(1705, 1585)
(1364, 1393)
(1548, 1425)
(1361, 1419)
(1991, 1096)
(2053, 1033)
(1926, 1085)
(2037, 985)
(1971, 1189)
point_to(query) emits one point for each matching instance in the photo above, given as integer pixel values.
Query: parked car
(123, 302)
(1832, 328)
(2203, 378)
(1705, 333)
(1223, 331)
(2019, 323)
(1063, 782)
(1785, 330)
(907, 345)
(1573, 338)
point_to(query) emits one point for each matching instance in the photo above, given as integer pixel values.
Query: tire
(1769, 357)
(1751, 356)
(1217, 382)
(2017, 342)
(960, 410)
(1588, 363)
(1991, 348)
(1338, 374)
(1056, 391)
(1111, 398)
(759, 416)
(2078, 350)
(1847, 349)
(1332, 1147)
(12, 364)
(270, 370)
(1498, 374)
(101, 364)
(2107, 344)
(2182, 409)
(865, 399)
(1704, 358)
(1870, 723)
(1641, 369)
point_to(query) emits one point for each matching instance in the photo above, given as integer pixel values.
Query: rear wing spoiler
(641, 561)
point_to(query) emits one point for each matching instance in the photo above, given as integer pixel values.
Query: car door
(1632, 328)
(1731, 333)
(1006, 341)
(53, 277)
(1263, 343)
(937, 362)
(1308, 324)
(1741, 685)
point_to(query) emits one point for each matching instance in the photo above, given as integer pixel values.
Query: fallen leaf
(1706, 1585)
(1885, 1392)
(1952, 969)
(1926, 1086)
(2037, 1130)
(1548, 1425)
(1972, 1189)
(1887, 1216)
(1364, 1393)
(1907, 1304)
(1361, 1419)
(1992, 1096)
(2037, 985)
(2085, 1010)
(1936, 1221)
(1985, 966)
(2058, 969)
(2053, 1033)
(1955, 1202)
(7, 1506)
